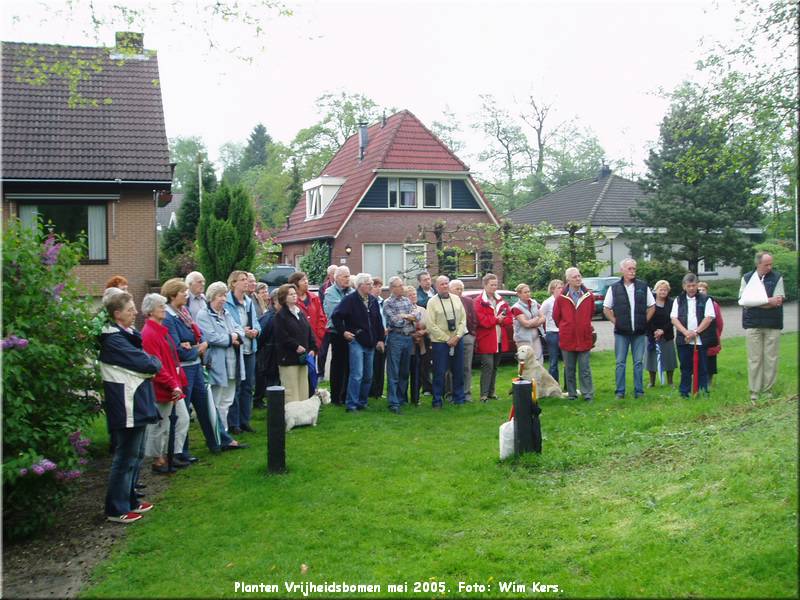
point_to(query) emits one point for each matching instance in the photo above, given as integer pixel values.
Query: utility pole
(199, 161)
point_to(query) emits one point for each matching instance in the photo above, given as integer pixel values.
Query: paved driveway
(732, 327)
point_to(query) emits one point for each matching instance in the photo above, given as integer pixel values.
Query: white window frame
(437, 183)
(314, 203)
(400, 193)
(407, 250)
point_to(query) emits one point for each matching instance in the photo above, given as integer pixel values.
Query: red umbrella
(695, 369)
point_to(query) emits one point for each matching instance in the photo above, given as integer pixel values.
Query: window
(486, 262)
(72, 220)
(392, 193)
(449, 263)
(431, 194)
(313, 203)
(708, 266)
(388, 260)
(408, 193)
(467, 265)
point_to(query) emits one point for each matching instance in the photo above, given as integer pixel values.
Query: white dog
(532, 370)
(305, 412)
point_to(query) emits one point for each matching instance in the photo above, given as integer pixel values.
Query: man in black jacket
(358, 317)
(762, 325)
(629, 305)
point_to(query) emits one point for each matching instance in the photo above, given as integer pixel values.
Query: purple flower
(74, 436)
(73, 474)
(23, 471)
(57, 291)
(22, 343)
(51, 250)
(47, 464)
(82, 461)
(60, 475)
(13, 341)
(38, 469)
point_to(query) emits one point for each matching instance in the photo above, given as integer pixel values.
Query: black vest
(707, 336)
(622, 308)
(768, 318)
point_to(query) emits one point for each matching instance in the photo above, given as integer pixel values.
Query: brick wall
(366, 227)
(131, 236)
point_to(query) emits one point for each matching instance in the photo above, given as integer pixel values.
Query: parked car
(599, 286)
(277, 276)
(510, 297)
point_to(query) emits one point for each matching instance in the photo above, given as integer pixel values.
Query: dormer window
(320, 192)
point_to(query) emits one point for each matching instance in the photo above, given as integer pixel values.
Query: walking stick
(173, 418)
(659, 364)
(695, 369)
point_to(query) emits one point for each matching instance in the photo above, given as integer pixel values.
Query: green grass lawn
(659, 497)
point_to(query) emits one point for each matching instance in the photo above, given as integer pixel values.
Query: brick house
(370, 200)
(96, 163)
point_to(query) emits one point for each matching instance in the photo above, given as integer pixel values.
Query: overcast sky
(602, 62)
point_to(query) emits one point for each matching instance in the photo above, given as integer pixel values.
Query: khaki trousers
(295, 381)
(763, 347)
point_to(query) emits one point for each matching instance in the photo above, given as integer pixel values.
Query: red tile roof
(403, 143)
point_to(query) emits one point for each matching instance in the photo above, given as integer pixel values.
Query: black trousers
(340, 368)
(378, 373)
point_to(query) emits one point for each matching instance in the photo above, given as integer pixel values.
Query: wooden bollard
(276, 430)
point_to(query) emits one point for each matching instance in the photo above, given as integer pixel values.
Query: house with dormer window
(370, 200)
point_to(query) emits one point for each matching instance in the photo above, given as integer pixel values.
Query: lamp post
(199, 161)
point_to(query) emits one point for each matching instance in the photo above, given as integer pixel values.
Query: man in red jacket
(572, 313)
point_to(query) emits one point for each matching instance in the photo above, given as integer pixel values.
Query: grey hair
(362, 278)
(342, 270)
(760, 256)
(571, 270)
(394, 279)
(456, 283)
(625, 261)
(109, 293)
(332, 269)
(215, 289)
(192, 277)
(151, 302)
(689, 278)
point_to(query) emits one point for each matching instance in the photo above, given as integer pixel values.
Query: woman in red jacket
(572, 313)
(311, 306)
(491, 336)
(168, 384)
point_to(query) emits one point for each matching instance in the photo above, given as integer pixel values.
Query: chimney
(383, 120)
(604, 172)
(130, 41)
(363, 140)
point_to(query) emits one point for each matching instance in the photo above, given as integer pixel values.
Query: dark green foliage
(700, 181)
(225, 235)
(255, 153)
(48, 329)
(315, 263)
(652, 271)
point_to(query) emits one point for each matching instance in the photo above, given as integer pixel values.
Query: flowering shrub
(47, 352)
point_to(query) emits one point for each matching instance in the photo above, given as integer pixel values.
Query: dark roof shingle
(122, 136)
(605, 202)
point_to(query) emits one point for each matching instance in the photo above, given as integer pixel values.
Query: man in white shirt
(763, 325)
(629, 305)
(692, 315)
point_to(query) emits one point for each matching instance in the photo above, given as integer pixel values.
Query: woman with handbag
(294, 341)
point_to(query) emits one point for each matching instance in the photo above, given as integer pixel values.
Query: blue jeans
(242, 407)
(685, 355)
(128, 455)
(197, 398)
(442, 362)
(360, 379)
(554, 352)
(637, 344)
(398, 362)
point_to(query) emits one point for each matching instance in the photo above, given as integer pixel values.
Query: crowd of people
(214, 350)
